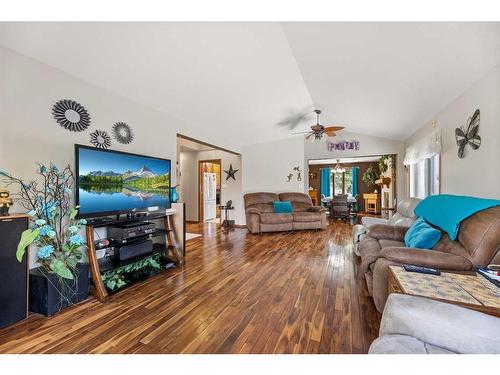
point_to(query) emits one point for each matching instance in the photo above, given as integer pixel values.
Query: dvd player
(128, 231)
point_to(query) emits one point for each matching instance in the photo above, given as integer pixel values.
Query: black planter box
(44, 296)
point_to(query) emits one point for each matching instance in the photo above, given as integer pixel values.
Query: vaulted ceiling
(240, 79)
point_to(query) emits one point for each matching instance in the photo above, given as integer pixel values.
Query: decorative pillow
(283, 207)
(422, 235)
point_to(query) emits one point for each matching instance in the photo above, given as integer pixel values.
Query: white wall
(368, 146)
(29, 133)
(477, 173)
(266, 165)
(188, 179)
(230, 189)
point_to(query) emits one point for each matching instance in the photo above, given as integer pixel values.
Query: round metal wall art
(71, 115)
(100, 139)
(122, 133)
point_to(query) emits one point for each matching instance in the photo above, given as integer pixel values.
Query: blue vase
(174, 195)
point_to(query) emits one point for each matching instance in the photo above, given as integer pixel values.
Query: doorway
(209, 190)
(370, 180)
(194, 159)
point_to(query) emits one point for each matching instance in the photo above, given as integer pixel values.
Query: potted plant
(62, 276)
(370, 176)
(383, 163)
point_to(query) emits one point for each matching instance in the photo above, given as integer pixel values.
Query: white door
(209, 196)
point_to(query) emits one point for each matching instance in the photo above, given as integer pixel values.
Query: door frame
(200, 185)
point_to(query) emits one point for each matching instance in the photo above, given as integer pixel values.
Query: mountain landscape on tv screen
(144, 179)
(107, 190)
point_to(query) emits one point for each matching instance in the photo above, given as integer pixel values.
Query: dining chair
(339, 207)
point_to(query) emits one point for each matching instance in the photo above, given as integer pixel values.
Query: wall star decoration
(465, 136)
(231, 172)
(100, 139)
(122, 133)
(71, 115)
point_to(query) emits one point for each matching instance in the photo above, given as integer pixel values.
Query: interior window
(424, 177)
(342, 183)
(338, 184)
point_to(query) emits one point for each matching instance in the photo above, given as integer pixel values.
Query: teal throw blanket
(447, 211)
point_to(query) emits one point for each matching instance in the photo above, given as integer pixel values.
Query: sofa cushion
(422, 235)
(296, 198)
(263, 207)
(284, 207)
(256, 198)
(272, 218)
(300, 201)
(397, 344)
(306, 217)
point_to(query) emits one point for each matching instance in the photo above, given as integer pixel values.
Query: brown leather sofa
(260, 215)
(477, 245)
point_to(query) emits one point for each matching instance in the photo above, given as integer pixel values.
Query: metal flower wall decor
(71, 115)
(296, 170)
(122, 133)
(100, 139)
(468, 135)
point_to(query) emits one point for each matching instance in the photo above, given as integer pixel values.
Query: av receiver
(128, 231)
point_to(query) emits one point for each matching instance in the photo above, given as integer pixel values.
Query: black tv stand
(173, 250)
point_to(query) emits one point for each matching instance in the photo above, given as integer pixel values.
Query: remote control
(430, 271)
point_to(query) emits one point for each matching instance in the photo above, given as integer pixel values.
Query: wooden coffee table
(467, 289)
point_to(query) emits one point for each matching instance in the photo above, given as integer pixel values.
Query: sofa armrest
(368, 221)
(316, 209)
(388, 232)
(253, 210)
(426, 258)
(448, 326)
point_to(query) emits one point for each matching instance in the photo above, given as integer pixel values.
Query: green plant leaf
(71, 262)
(27, 238)
(120, 283)
(59, 268)
(73, 213)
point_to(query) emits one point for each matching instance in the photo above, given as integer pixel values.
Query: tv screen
(113, 182)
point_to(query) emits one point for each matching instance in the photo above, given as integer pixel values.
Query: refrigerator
(209, 195)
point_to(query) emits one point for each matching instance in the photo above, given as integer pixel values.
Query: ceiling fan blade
(302, 132)
(333, 128)
(331, 134)
(293, 120)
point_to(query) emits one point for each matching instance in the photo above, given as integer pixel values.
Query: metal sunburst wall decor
(122, 133)
(468, 135)
(71, 115)
(100, 139)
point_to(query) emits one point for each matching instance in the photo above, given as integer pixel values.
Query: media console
(160, 237)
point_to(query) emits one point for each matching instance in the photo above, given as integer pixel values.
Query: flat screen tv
(113, 182)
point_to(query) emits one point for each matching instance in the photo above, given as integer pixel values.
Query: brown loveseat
(260, 214)
(477, 245)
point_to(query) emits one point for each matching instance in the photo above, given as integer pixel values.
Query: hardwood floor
(238, 293)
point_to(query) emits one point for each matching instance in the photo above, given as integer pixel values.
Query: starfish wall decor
(231, 172)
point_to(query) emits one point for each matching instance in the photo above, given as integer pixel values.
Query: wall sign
(342, 145)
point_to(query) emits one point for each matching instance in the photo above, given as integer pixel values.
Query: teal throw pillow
(284, 207)
(422, 235)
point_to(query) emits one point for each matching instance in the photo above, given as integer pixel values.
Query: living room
(250, 187)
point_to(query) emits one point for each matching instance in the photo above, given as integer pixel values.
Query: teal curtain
(325, 181)
(355, 171)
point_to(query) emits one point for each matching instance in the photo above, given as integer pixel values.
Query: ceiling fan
(318, 131)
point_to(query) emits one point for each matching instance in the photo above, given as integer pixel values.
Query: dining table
(351, 201)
